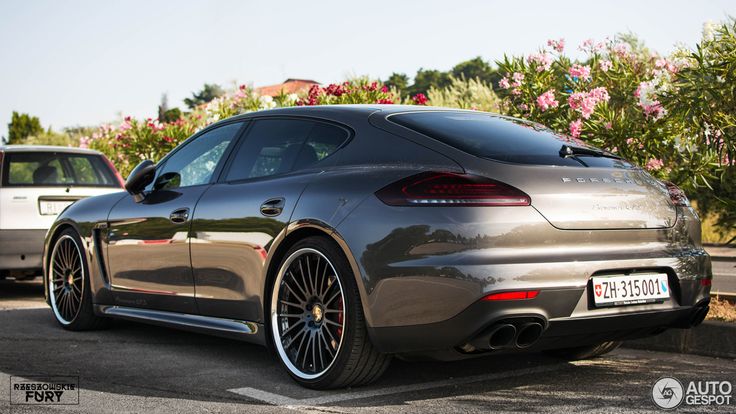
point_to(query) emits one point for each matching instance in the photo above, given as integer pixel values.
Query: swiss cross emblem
(598, 290)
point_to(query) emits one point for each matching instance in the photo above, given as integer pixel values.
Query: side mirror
(167, 180)
(139, 178)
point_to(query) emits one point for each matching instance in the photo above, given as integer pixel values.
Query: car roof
(47, 148)
(366, 109)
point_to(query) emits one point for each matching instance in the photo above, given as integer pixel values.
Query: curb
(711, 338)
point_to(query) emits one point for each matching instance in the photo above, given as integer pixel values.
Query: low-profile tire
(316, 322)
(585, 352)
(68, 285)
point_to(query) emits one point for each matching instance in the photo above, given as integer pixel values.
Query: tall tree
(209, 92)
(426, 79)
(399, 81)
(475, 68)
(22, 126)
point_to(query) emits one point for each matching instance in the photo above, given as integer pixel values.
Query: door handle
(179, 216)
(272, 207)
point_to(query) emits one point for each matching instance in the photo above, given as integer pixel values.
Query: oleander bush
(673, 115)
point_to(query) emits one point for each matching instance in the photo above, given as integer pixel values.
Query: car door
(148, 239)
(237, 219)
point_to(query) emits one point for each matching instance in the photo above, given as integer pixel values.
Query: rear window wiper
(570, 151)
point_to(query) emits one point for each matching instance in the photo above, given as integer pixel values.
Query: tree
(209, 92)
(475, 68)
(166, 114)
(22, 126)
(425, 79)
(399, 81)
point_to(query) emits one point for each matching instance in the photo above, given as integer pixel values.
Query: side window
(278, 146)
(195, 163)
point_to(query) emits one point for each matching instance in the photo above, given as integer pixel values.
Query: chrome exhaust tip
(529, 334)
(502, 336)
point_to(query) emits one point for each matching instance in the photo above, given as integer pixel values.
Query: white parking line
(285, 401)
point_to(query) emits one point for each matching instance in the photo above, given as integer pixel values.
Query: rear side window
(498, 138)
(279, 146)
(49, 169)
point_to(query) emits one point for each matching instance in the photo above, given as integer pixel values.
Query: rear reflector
(677, 196)
(515, 295)
(451, 189)
(706, 282)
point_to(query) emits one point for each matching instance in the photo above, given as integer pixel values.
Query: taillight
(513, 295)
(677, 196)
(451, 189)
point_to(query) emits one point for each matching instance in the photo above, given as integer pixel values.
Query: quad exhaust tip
(510, 333)
(502, 336)
(528, 334)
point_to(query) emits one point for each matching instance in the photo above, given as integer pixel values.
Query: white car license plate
(630, 289)
(52, 208)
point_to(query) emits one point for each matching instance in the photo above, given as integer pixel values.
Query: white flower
(709, 29)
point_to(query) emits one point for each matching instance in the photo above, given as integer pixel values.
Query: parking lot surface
(139, 368)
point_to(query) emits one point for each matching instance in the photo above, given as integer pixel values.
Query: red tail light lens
(451, 189)
(677, 195)
(514, 295)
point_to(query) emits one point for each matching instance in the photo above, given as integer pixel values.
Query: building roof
(288, 86)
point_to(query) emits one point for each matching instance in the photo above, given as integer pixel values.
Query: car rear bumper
(566, 318)
(21, 249)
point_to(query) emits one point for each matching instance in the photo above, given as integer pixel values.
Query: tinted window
(39, 169)
(277, 146)
(196, 161)
(498, 138)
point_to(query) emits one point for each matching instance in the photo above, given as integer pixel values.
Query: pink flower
(547, 100)
(557, 45)
(518, 79)
(654, 164)
(576, 127)
(579, 71)
(608, 125)
(504, 83)
(542, 60)
(419, 99)
(600, 94)
(516, 92)
(629, 141)
(590, 46)
(524, 107)
(385, 101)
(84, 142)
(622, 50)
(605, 65)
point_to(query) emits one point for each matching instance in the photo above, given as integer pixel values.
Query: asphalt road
(139, 368)
(724, 276)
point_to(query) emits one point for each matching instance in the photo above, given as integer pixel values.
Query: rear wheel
(317, 323)
(68, 284)
(586, 352)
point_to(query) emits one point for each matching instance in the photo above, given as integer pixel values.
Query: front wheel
(317, 324)
(68, 285)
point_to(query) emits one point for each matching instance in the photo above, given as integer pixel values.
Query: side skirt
(228, 328)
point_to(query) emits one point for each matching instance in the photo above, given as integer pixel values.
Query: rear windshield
(502, 139)
(49, 169)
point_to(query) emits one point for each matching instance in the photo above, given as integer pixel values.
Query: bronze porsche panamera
(341, 236)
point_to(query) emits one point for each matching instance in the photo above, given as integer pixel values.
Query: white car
(36, 184)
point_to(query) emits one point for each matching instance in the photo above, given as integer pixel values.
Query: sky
(87, 62)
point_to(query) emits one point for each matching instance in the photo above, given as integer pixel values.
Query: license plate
(630, 289)
(53, 208)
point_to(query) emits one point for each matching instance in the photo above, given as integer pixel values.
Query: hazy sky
(85, 62)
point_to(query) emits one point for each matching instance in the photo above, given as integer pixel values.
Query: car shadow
(149, 361)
